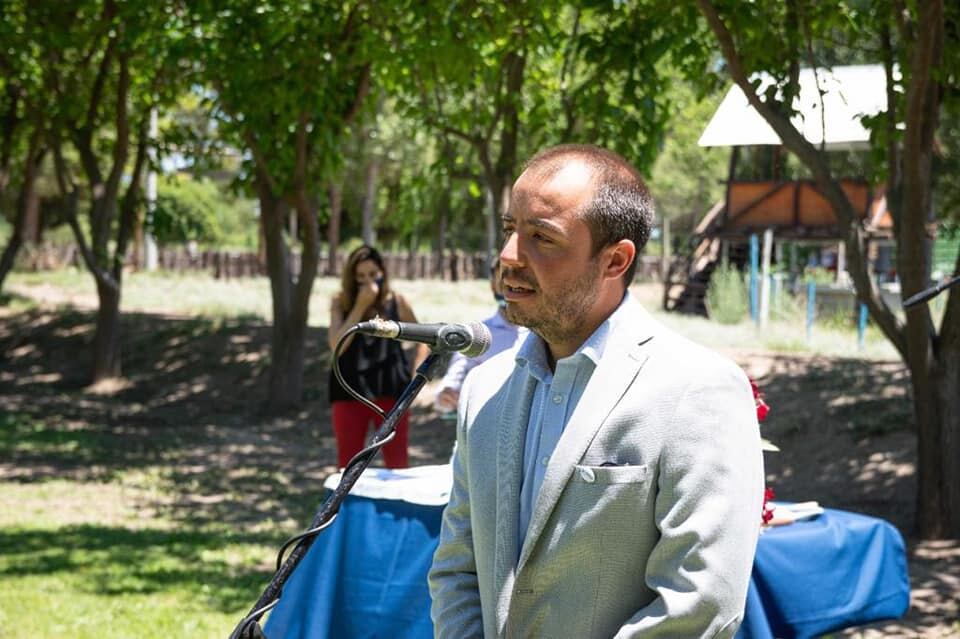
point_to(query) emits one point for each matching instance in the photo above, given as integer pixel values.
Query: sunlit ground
(435, 301)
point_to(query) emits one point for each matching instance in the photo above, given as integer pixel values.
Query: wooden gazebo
(829, 109)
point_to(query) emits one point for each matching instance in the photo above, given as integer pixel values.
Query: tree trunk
(10, 254)
(937, 411)
(106, 345)
(285, 383)
(370, 201)
(927, 354)
(946, 380)
(333, 227)
(412, 257)
(291, 295)
(515, 66)
(440, 236)
(493, 216)
(24, 200)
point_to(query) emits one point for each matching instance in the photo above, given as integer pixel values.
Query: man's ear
(620, 255)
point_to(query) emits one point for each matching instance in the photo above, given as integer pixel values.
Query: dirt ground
(191, 403)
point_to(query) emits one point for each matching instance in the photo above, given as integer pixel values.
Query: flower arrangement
(763, 409)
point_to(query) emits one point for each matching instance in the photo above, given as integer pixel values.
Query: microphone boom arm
(933, 291)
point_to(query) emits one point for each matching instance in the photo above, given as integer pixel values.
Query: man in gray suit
(608, 477)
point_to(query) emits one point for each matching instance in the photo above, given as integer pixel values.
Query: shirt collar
(533, 351)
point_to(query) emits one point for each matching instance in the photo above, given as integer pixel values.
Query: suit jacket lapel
(622, 359)
(513, 416)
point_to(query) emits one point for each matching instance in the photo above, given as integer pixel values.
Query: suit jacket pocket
(627, 474)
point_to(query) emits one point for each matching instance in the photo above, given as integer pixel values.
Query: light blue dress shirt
(555, 397)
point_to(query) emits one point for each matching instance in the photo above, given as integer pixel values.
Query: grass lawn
(96, 581)
(433, 301)
(155, 508)
(95, 556)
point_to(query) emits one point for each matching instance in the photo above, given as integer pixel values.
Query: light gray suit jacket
(659, 545)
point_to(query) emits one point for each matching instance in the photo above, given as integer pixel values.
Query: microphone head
(481, 339)
(470, 339)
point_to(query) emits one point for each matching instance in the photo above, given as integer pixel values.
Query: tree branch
(71, 211)
(96, 94)
(359, 96)
(811, 60)
(901, 16)
(300, 153)
(498, 104)
(128, 207)
(121, 145)
(11, 122)
(259, 160)
(893, 156)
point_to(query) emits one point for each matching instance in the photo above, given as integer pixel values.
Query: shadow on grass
(189, 408)
(118, 561)
(11, 299)
(846, 433)
(189, 411)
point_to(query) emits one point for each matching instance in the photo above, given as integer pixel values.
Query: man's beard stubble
(560, 316)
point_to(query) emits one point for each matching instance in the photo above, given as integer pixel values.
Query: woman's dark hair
(348, 278)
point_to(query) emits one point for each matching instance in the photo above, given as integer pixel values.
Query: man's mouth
(515, 285)
(513, 292)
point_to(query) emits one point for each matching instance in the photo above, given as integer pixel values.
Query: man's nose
(510, 253)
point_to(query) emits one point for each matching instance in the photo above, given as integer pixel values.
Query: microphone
(471, 339)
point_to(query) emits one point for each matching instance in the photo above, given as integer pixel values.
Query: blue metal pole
(811, 306)
(754, 283)
(861, 325)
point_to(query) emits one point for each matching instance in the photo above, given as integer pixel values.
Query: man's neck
(557, 351)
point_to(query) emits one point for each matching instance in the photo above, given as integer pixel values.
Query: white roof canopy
(849, 93)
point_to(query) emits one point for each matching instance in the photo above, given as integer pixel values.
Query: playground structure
(762, 197)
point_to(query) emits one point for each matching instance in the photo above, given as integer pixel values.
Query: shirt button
(545, 460)
(557, 398)
(587, 475)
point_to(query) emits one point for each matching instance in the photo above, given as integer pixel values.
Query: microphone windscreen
(481, 339)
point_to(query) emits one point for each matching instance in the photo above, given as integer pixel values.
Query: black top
(372, 366)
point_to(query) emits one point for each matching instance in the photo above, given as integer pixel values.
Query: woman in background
(375, 367)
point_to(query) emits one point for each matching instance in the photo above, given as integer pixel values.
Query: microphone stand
(249, 627)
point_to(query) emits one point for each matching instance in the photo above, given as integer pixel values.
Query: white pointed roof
(849, 93)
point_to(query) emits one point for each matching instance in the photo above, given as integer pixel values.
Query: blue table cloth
(365, 576)
(816, 576)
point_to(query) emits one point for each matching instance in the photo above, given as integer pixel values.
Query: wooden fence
(455, 265)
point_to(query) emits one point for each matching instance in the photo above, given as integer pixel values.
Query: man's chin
(516, 316)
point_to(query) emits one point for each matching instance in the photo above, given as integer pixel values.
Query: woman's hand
(342, 319)
(367, 295)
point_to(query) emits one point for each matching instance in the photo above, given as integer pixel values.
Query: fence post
(811, 306)
(764, 313)
(861, 326)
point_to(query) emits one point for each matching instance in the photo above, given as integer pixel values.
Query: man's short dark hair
(621, 206)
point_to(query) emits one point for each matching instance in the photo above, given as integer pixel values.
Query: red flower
(767, 513)
(762, 408)
(762, 411)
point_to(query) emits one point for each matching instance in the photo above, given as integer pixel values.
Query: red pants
(351, 420)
